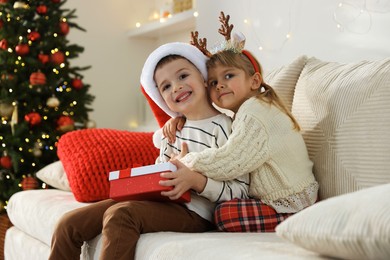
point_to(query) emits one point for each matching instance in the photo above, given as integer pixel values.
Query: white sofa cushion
(284, 79)
(344, 112)
(36, 212)
(54, 175)
(350, 226)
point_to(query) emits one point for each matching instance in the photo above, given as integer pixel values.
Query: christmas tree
(41, 95)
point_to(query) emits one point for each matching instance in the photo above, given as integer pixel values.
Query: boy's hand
(171, 126)
(182, 180)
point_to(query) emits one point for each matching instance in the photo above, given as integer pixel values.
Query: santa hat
(188, 51)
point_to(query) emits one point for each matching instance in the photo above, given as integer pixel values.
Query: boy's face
(182, 86)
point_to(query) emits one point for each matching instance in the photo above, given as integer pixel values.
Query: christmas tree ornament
(57, 57)
(33, 118)
(6, 109)
(33, 36)
(64, 28)
(52, 102)
(65, 124)
(22, 49)
(77, 83)
(37, 78)
(21, 5)
(29, 183)
(14, 118)
(90, 124)
(56, 1)
(4, 44)
(7, 76)
(37, 150)
(3, 1)
(41, 9)
(43, 58)
(1, 24)
(6, 162)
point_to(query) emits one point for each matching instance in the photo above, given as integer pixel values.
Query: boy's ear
(257, 79)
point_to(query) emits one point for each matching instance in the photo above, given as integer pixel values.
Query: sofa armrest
(89, 155)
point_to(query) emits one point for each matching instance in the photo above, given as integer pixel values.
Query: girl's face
(229, 87)
(182, 87)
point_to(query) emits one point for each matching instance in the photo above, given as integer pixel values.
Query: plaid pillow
(247, 215)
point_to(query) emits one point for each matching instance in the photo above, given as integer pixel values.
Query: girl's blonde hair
(238, 60)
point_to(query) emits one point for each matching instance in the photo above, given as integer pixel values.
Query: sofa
(344, 113)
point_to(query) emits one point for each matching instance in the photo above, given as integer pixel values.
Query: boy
(178, 86)
(174, 77)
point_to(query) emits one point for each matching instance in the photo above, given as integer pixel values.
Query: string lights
(269, 33)
(356, 17)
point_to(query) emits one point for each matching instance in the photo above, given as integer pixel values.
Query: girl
(265, 140)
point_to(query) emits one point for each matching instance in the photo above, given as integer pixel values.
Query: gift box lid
(143, 170)
(160, 167)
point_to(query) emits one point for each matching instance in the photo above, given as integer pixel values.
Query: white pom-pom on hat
(188, 51)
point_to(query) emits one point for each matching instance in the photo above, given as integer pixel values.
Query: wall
(312, 26)
(117, 60)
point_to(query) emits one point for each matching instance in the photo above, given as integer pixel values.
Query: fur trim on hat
(185, 50)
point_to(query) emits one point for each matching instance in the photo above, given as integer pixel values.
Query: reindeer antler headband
(236, 44)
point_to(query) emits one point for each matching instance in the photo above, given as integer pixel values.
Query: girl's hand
(182, 180)
(171, 126)
(184, 151)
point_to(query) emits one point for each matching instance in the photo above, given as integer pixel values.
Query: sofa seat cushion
(45, 207)
(36, 212)
(344, 113)
(89, 155)
(210, 245)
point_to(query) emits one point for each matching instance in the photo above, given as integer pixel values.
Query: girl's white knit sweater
(264, 144)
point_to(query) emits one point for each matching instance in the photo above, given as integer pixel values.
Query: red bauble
(33, 118)
(3, 1)
(57, 57)
(4, 44)
(77, 84)
(41, 9)
(64, 28)
(34, 36)
(29, 183)
(44, 58)
(65, 124)
(1, 24)
(37, 78)
(6, 162)
(55, 1)
(7, 77)
(22, 49)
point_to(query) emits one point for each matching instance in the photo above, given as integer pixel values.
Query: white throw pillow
(55, 176)
(344, 113)
(350, 226)
(284, 79)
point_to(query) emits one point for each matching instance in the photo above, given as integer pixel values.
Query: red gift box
(142, 183)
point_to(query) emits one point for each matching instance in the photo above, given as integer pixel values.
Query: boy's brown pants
(121, 224)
